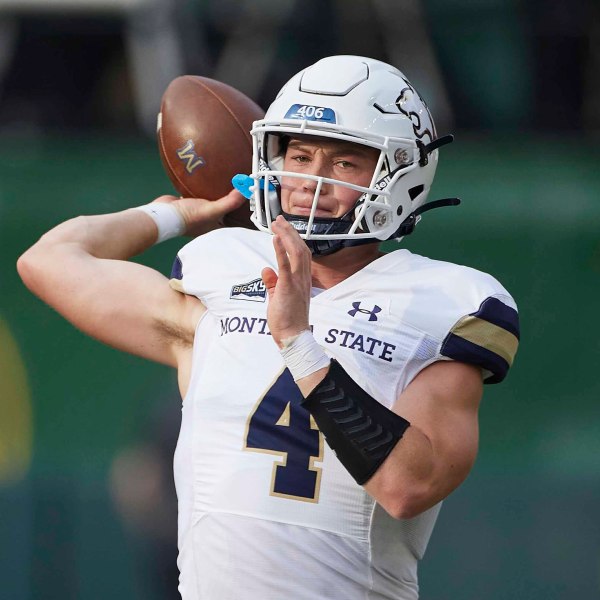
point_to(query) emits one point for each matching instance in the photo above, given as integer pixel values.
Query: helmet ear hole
(415, 191)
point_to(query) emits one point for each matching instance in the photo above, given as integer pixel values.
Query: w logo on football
(372, 313)
(187, 153)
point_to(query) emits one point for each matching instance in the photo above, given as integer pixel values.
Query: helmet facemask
(371, 219)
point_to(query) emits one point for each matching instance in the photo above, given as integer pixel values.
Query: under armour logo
(372, 313)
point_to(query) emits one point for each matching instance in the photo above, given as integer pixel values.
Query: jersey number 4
(280, 425)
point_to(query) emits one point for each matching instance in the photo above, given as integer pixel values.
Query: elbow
(32, 267)
(406, 500)
(27, 269)
(403, 504)
(406, 507)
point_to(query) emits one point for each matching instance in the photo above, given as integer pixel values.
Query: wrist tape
(302, 355)
(360, 430)
(167, 218)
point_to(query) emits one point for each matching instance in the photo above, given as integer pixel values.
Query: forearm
(128, 233)
(379, 448)
(62, 266)
(406, 467)
(361, 431)
(393, 459)
(439, 449)
(116, 236)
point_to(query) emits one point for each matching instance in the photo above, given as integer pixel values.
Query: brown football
(204, 139)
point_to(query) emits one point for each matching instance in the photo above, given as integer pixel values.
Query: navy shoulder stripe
(488, 338)
(498, 313)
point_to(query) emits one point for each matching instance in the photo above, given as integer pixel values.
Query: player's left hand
(201, 216)
(289, 291)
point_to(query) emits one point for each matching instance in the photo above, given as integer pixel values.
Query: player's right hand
(201, 215)
(289, 289)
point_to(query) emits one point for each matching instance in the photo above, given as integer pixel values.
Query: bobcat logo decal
(422, 123)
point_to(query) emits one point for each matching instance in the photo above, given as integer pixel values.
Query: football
(204, 139)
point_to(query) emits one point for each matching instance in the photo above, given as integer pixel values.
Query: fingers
(288, 242)
(289, 289)
(228, 203)
(283, 262)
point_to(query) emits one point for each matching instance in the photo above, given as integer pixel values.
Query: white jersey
(266, 511)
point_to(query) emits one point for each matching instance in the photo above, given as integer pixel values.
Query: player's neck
(330, 270)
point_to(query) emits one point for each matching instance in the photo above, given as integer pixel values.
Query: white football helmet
(358, 100)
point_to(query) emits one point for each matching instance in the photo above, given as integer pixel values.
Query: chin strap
(426, 149)
(324, 226)
(325, 247)
(409, 224)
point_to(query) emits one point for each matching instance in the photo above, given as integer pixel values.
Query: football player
(331, 391)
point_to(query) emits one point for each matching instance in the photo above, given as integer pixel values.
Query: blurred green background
(87, 506)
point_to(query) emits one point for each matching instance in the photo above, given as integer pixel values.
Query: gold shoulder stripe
(487, 335)
(177, 285)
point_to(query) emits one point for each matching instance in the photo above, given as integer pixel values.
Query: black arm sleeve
(360, 430)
